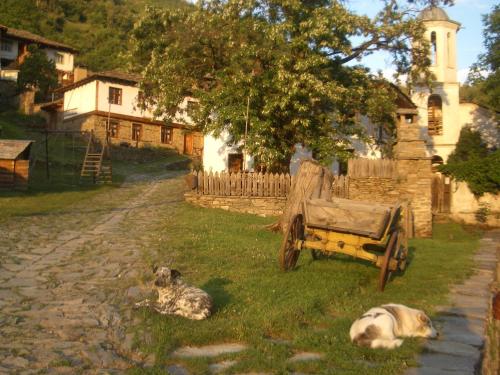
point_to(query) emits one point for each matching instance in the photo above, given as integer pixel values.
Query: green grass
(66, 153)
(234, 258)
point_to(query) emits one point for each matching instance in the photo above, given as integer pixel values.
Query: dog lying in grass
(380, 326)
(177, 298)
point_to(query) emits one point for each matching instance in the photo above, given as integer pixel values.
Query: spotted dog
(380, 326)
(177, 298)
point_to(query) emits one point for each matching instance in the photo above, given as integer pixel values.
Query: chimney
(80, 73)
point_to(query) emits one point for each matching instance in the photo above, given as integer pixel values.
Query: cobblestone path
(462, 323)
(67, 281)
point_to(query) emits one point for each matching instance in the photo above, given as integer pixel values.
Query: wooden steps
(95, 166)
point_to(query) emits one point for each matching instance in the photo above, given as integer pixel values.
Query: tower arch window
(435, 115)
(433, 48)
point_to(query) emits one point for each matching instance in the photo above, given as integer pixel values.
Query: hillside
(97, 28)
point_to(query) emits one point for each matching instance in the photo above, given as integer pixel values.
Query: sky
(469, 39)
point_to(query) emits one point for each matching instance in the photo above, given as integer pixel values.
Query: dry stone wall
(413, 181)
(265, 206)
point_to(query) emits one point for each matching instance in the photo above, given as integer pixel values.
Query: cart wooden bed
(364, 230)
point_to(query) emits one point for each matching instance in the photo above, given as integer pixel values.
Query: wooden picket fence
(340, 186)
(362, 168)
(249, 184)
(244, 184)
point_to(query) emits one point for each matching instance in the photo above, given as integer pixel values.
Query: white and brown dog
(380, 326)
(177, 298)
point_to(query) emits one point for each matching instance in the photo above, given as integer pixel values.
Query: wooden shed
(14, 163)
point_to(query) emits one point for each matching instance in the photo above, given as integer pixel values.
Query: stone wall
(151, 133)
(412, 183)
(265, 206)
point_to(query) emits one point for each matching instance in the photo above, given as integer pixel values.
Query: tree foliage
(37, 72)
(486, 90)
(290, 64)
(97, 28)
(474, 163)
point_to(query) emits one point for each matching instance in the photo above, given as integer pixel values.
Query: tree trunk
(311, 181)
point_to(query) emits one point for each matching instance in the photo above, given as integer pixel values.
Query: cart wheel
(392, 248)
(288, 253)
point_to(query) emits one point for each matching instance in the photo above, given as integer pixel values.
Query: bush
(481, 174)
(474, 163)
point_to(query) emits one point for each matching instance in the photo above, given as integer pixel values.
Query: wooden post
(47, 154)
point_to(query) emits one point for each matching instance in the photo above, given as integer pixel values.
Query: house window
(137, 132)
(166, 134)
(433, 48)
(7, 46)
(435, 115)
(114, 127)
(409, 119)
(59, 58)
(115, 95)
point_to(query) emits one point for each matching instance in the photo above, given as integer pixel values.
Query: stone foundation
(264, 206)
(151, 133)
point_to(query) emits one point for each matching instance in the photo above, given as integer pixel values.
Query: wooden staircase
(96, 165)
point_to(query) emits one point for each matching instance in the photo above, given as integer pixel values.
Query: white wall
(129, 100)
(79, 100)
(68, 59)
(464, 205)
(483, 121)
(10, 75)
(216, 151)
(443, 144)
(445, 68)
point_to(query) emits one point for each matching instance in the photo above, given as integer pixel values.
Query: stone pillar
(415, 175)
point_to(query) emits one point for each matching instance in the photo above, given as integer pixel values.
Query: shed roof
(28, 36)
(10, 149)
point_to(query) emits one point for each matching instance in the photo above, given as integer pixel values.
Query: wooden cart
(363, 230)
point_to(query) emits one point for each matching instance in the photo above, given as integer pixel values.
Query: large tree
(486, 90)
(37, 72)
(277, 72)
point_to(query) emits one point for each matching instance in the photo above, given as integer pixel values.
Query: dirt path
(67, 281)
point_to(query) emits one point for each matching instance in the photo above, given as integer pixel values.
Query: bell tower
(438, 107)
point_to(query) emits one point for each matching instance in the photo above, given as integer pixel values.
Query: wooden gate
(441, 194)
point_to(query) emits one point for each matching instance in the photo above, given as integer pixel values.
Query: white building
(441, 114)
(219, 155)
(107, 104)
(14, 49)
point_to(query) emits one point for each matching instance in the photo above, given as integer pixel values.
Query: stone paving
(462, 323)
(66, 281)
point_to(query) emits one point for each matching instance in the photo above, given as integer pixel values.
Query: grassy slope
(232, 257)
(63, 189)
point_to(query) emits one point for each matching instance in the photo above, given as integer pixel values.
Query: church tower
(439, 112)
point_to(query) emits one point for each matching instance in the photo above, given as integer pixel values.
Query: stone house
(14, 49)
(107, 104)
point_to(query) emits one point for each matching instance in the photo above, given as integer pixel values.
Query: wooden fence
(385, 168)
(254, 184)
(242, 184)
(340, 186)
